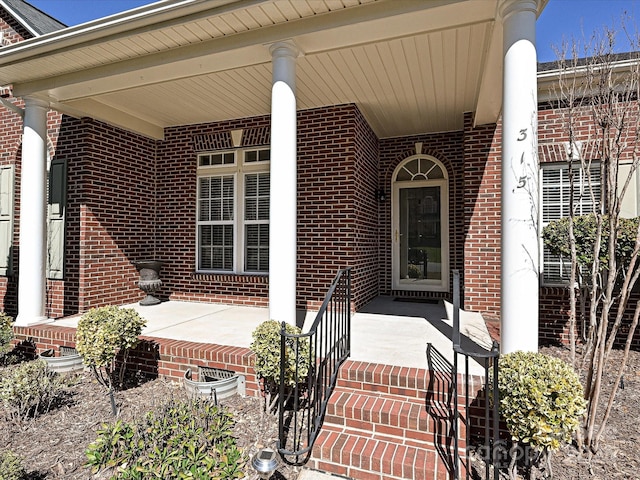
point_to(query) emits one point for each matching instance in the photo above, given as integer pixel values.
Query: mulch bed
(617, 457)
(53, 444)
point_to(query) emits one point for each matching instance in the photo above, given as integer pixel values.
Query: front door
(420, 230)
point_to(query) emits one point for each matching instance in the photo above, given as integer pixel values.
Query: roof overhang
(411, 66)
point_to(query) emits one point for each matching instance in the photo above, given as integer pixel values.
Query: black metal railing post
(489, 359)
(329, 338)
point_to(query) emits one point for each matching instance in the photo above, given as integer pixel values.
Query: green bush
(11, 466)
(556, 239)
(266, 347)
(104, 332)
(29, 389)
(184, 439)
(6, 333)
(541, 399)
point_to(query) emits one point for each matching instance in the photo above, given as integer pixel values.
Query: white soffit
(411, 66)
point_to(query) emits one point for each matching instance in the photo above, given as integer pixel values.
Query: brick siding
(482, 230)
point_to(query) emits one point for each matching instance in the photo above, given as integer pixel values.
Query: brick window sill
(253, 278)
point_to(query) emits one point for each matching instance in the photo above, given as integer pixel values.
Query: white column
(33, 215)
(520, 257)
(283, 193)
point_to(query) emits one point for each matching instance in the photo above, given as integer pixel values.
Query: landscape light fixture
(265, 463)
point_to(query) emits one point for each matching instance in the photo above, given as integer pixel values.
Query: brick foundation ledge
(153, 356)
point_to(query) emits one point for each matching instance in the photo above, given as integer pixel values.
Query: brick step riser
(408, 393)
(404, 421)
(379, 413)
(371, 457)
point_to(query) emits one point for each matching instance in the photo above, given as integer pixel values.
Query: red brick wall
(109, 218)
(337, 154)
(447, 147)
(11, 134)
(482, 172)
(337, 165)
(552, 140)
(366, 278)
(124, 206)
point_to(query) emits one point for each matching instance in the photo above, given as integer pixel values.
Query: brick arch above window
(388, 174)
(420, 167)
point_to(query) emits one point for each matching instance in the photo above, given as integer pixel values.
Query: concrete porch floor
(385, 331)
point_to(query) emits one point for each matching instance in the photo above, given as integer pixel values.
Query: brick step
(377, 426)
(363, 456)
(404, 382)
(406, 419)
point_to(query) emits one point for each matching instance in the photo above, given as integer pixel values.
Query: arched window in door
(420, 225)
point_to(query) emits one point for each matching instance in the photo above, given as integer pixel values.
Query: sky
(562, 20)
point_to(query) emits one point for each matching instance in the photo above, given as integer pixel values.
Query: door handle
(396, 234)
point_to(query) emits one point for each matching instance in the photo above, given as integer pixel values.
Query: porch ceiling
(411, 66)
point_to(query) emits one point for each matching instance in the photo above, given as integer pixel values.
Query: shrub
(11, 466)
(266, 347)
(104, 332)
(30, 389)
(541, 400)
(185, 439)
(6, 333)
(556, 238)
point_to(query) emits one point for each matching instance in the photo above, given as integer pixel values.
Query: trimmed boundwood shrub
(6, 333)
(266, 347)
(541, 401)
(102, 334)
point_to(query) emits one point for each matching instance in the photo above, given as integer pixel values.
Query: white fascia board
(549, 78)
(155, 15)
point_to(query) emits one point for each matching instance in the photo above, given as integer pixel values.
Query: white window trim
(238, 170)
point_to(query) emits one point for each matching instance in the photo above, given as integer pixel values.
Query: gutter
(163, 13)
(617, 66)
(548, 78)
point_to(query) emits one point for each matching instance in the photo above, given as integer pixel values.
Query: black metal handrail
(490, 420)
(302, 407)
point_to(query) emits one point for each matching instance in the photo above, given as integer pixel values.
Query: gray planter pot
(215, 383)
(68, 360)
(149, 280)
